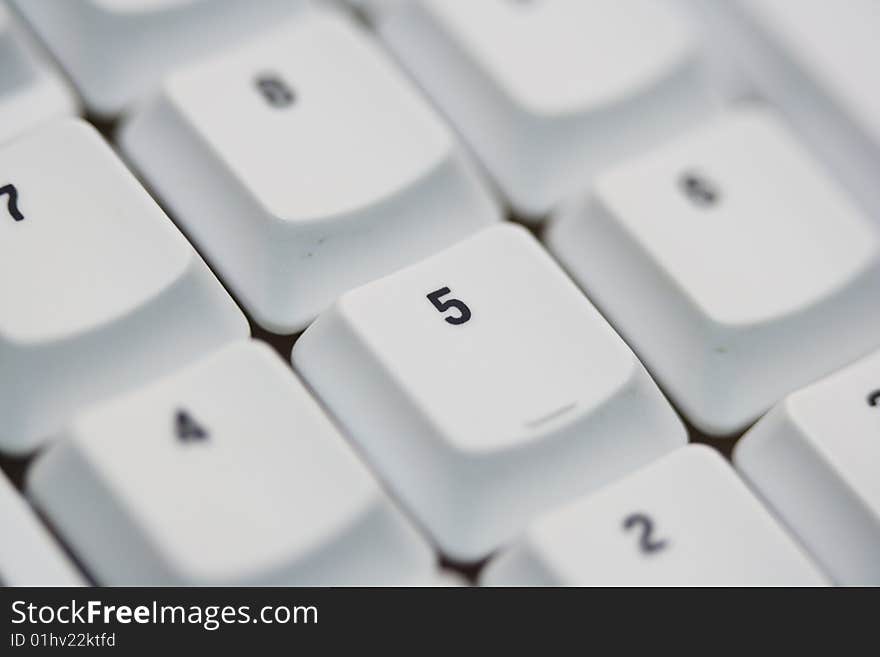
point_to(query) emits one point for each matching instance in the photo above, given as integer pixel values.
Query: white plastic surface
(733, 265)
(321, 169)
(548, 93)
(100, 292)
(686, 520)
(815, 459)
(504, 395)
(227, 473)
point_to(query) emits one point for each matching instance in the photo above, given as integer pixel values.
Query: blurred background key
(117, 51)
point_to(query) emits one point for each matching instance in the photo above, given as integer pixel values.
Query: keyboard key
(227, 473)
(816, 60)
(485, 388)
(733, 266)
(686, 520)
(815, 458)
(31, 91)
(28, 554)
(99, 290)
(117, 51)
(319, 171)
(549, 92)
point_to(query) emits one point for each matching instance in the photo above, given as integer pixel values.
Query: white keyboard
(436, 293)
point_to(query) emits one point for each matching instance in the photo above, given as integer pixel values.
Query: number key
(529, 397)
(697, 524)
(226, 473)
(815, 459)
(329, 173)
(735, 266)
(99, 292)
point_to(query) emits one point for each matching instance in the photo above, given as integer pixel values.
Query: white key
(548, 92)
(686, 520)
(817, 61)
(485, 388)
(31, 90)
(117, 51)
(99, 290)
(319, 171)
(732, 264)
(227, 473)
(815, 458)
(28, 554)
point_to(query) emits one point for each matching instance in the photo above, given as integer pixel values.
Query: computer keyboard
(438, 292)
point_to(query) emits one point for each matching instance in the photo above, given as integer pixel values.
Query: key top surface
(99, 289)
(321, 160)
(225, 473)
(547, 92)
(815, 458)
(727, 259)
(484, 394)
(29, 555)
(686, 520)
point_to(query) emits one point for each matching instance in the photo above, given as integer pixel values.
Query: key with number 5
(485, 394)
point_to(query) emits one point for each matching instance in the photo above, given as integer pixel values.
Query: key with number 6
(733, 265)
(484, 394)
(686, 520)
(225, 473)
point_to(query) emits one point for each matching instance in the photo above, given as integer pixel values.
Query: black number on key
(12, 201)
(275, 90)
(699, 189)
(464, 313)
(187, 429)
(874, 398)
(647, 544)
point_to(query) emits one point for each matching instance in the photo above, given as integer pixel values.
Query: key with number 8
(483, 394)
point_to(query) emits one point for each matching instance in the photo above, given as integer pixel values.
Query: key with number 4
(732, 263)
(99, 291)
(485, 393)
(686, 520)
(226, 473)
(815, 458)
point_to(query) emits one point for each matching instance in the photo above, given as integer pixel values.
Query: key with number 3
(485, 394)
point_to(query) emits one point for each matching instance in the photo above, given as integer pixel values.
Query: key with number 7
(485, 395)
